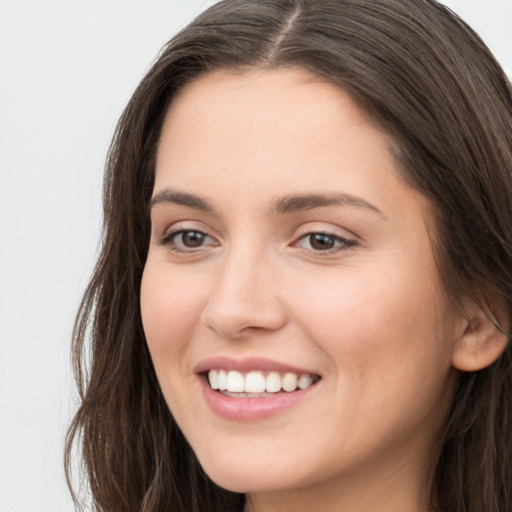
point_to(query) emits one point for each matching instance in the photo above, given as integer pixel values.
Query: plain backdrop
(67, 68)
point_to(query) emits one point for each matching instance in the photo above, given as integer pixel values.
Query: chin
(249, 475)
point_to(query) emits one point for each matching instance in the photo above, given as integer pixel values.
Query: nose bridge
(244, 295)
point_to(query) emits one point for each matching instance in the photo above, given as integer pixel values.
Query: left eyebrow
(181, 198)
(299, 203)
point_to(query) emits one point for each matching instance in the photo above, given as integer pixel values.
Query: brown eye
(187, 239)
(191, 238)
(321, 242)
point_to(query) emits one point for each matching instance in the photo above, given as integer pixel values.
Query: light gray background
(67, 68)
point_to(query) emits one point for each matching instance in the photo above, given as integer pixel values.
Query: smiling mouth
(258, 384)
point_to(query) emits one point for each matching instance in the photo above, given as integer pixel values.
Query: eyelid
(326, 228)
(177, 228)
(162, 231)
(170, 235)
(343, 243)
(347, 239)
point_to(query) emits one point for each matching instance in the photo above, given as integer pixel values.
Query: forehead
(272, 133)
(262, 111)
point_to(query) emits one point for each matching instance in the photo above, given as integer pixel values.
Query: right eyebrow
(298, 203)
(181, 198)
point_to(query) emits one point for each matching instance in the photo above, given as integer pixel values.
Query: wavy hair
(424, 77)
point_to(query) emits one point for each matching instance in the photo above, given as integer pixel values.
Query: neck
(393, 489)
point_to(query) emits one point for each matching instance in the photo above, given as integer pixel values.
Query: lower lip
(252, 409)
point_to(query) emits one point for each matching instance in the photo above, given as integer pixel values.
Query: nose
(245, 298)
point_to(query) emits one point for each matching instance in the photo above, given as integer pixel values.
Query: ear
(481, 343)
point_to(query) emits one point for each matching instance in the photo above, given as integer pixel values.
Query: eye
(324, 242)
(186, 239)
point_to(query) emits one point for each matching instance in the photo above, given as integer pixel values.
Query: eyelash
(168, 239)
(344, 243)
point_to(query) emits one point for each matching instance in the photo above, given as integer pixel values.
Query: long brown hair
(425, 78)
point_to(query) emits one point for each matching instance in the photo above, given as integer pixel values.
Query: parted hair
(425, 78)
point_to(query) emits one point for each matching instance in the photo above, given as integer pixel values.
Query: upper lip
(248, 364)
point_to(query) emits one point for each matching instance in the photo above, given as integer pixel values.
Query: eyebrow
(298, 203)
(284, 205)
(181, 198)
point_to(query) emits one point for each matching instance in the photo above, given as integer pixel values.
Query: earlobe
(481, 343)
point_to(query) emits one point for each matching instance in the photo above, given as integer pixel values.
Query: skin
(370, 316)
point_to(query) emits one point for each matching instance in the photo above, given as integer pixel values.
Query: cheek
(388, 350)
(170, 310)
(377, 318)
(351, 303)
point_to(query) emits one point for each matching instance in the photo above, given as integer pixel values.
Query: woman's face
(286, 250)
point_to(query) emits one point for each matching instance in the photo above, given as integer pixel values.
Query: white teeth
(289, 382)
(213, 378)
(223, 380)
(305, 381)
(255, 383)
(235, 382)
(273, 384)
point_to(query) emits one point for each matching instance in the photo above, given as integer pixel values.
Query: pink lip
(247, 364)
(250, 409)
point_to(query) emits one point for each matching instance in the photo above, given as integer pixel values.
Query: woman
(304, 296)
